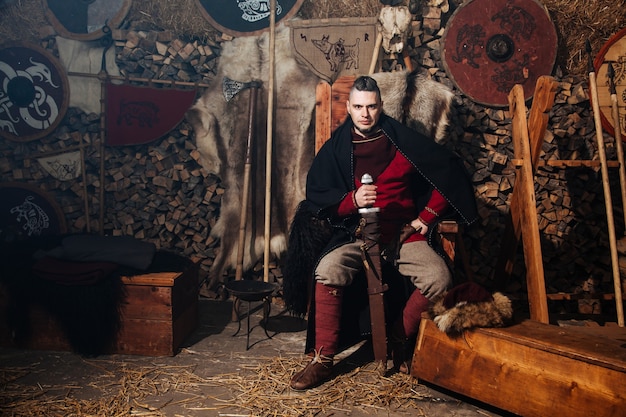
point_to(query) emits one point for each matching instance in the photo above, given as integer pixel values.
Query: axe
(231, 88)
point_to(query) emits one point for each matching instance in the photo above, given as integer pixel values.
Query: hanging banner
(334, 47)
(63, 167)
(85, 57)
(139, 115)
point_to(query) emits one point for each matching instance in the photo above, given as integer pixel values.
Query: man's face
(365, 108)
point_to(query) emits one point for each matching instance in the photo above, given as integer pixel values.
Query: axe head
(231, 88)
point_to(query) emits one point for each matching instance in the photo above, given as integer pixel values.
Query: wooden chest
(530, 369)
(157, 312)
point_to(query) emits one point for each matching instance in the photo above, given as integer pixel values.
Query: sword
(370, 251)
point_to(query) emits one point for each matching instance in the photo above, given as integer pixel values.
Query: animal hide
(469, 306)
(221, 129)
(415, 99)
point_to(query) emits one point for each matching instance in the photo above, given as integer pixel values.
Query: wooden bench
(530, 369)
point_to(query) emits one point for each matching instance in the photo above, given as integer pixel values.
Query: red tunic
(392, 174)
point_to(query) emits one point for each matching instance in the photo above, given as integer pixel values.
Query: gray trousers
(418, 261)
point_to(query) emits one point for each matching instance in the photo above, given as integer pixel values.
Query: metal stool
(249, 291)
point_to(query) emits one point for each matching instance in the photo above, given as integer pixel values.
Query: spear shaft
(593, 92)
(618, 135)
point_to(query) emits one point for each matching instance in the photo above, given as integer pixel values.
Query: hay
(256, 390)
(180, 17)
(266, 392)
(327, 9)
(21, 21)
(577, 21)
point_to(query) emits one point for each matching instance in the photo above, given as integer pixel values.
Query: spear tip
(589, 59)
(610, 74)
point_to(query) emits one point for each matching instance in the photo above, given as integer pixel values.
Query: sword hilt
(367, 179)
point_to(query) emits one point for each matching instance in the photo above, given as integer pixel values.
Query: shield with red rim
(491, 45)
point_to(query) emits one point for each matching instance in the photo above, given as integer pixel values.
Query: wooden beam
(524, 212)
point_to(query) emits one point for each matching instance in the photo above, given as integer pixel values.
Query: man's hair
(366, 83)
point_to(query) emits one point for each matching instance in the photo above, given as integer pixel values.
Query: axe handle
(379, 42)
(245, 193)
(269, 146)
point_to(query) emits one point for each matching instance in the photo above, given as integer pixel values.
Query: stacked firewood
(160, 193)
(570, 202)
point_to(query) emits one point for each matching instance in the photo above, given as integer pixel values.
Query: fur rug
(468, 306)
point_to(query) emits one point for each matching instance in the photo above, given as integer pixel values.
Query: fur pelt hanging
(220, 128)
(468, 306)
(416, 100)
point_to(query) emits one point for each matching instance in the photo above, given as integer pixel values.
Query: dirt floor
(214, 374)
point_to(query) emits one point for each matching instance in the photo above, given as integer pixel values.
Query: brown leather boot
(315, 373)
(401, 354)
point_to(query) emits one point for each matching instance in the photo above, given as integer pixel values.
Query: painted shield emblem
(245, 17)
(34, 92)
(489, 46)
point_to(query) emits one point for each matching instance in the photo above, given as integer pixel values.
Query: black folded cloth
(66, 272)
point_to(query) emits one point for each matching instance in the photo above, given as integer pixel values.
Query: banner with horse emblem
(138, 115)
(334, 47)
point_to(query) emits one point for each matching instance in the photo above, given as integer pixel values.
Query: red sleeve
(347, 206)
(436, 205)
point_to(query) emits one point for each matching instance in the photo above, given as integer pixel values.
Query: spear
(618, 135)
(593, 92)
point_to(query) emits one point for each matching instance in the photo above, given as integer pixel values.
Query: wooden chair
(330, 112)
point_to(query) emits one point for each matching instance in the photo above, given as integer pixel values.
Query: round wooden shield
(613, 52)
(34, 92)
(27, 211)
(84, 20)
(245, 17)
(491, 45)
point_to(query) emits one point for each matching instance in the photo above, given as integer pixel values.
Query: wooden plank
(145, 337)
(530, 369)
(147, 302)
(543, 100)
(559, 296)
(340, 95)
(160, 279)
(322, 114)
(569, 163)
(525, 213)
